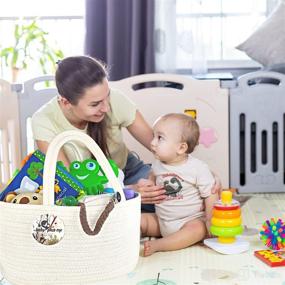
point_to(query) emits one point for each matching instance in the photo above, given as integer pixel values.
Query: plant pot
(15, 74)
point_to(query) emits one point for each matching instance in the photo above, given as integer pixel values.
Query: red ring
(226, 208)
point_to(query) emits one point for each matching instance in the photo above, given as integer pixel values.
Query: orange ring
(226, 214)
(226, 223)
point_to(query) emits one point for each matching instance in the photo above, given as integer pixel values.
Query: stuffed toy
(28, 198)
(9, 197)
(92, 177)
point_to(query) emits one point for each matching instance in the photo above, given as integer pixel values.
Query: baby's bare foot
(148, 248)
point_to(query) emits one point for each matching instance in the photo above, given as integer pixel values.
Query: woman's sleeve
(42, 128)
(123, 108)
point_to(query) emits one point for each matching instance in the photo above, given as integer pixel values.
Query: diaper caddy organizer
(87, 243)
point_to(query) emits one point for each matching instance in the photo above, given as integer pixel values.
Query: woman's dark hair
(73, 76)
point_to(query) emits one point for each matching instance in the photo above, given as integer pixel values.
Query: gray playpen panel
(257, 133)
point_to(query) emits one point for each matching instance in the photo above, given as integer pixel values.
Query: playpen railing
(9, 132)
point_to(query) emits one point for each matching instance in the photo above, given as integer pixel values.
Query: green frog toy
(90, 174)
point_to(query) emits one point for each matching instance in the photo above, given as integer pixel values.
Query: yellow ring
(227, 223)
(226, 214)
(226, 232)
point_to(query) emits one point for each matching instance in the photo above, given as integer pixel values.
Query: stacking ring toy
(226, 225)
(226, 220)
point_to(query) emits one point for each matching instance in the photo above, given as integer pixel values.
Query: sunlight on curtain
(202, 34)
(165, 35)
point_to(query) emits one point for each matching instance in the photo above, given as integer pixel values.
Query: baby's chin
(160, 159)
(156, 156)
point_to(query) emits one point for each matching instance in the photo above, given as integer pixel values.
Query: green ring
(226, 232)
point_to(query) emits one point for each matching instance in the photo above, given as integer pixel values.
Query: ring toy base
(237, 247)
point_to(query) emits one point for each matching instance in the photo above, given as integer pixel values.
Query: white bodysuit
(186, 185)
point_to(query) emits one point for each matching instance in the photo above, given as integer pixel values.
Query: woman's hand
(150, 193)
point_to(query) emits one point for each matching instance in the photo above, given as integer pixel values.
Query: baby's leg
(149, 225)
(192, 232)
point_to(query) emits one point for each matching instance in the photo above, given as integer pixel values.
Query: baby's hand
(150, 193)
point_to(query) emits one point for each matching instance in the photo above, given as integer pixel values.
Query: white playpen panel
(9, 132)
(178, 93)
(34, 95)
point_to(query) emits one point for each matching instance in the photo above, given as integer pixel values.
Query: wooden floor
(201, 265)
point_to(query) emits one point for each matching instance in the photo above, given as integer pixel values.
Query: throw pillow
(267, 44)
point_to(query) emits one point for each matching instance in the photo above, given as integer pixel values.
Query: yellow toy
(226, 225)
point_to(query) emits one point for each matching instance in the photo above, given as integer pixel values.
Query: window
(212, 28)
(62, 19)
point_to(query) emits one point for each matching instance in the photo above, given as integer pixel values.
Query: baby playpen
(242, 128)
(155, 95)
(257, 133)
(10, 145)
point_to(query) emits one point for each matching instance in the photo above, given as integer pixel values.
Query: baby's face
(166, 141)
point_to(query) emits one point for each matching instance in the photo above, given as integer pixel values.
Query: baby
(183, 217)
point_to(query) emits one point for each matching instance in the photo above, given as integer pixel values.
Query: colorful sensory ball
(273, 234)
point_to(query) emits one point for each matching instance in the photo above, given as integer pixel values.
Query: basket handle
(100, 222)
(50, 163)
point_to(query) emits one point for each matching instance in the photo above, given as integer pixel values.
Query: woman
(86, 103)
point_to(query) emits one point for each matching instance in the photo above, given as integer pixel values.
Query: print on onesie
(173, 184)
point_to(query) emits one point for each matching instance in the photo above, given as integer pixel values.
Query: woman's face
(94, 104)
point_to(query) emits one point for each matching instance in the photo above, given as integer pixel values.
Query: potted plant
(30, 44)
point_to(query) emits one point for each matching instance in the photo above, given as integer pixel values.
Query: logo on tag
(48, 229)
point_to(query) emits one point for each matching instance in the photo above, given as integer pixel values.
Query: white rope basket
(79, 258)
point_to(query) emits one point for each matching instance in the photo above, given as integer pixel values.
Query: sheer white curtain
(203, 34)
(172, 40)
(165, 35)
(191, 37)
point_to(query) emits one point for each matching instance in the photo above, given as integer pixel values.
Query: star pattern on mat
(207, 137)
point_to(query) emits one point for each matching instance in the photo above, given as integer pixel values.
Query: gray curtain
(120, 32)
